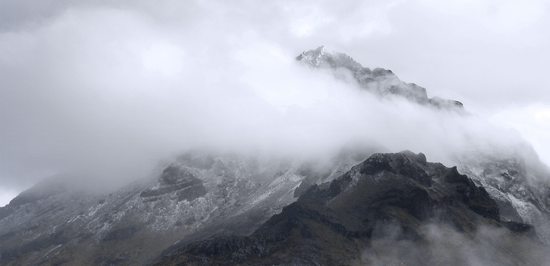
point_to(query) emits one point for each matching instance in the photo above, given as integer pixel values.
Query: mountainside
(209, 204)
(197, 195)
(521, 190)
(337, 223)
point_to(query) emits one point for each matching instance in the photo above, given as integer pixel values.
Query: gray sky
(84, 84)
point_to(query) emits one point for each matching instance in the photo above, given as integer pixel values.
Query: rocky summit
(382, 82)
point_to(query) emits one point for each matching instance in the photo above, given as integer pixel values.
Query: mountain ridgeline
(382, 82)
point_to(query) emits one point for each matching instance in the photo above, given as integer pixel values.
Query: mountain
(518, 182)
(197, 195)
(337, 223)
(382, 82)
(360, 206)
(211, 208)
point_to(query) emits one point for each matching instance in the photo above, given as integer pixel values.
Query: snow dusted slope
(387, 210)
(520, 188)
(197, 195)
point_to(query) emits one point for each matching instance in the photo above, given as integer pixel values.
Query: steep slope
(338, 223)
(520, 188)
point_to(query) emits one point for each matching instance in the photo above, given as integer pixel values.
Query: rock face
(520, 190)
(336, 223)
(380, 81)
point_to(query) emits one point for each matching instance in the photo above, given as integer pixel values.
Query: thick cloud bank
(108, 90)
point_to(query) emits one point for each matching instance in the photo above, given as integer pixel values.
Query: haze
(106, 91)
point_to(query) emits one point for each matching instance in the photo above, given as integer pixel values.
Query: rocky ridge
(382, 82)
(337, 222)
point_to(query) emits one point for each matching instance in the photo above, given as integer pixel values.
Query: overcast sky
(78, 78)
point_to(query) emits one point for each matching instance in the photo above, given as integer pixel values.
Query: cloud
(108, 89)
(442, 244)
(532, 121)
(6, 195)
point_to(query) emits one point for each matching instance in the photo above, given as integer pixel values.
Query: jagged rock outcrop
(380, 81)
(179, 180)
(335, 223)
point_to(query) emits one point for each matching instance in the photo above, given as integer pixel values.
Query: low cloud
(532, 121)
(443, 245)
(107, 90)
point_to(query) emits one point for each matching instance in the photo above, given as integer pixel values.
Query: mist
(444, 245)
(106, 91)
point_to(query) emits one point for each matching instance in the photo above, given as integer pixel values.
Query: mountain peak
(320, 57)
(312, 57)
(380, 81)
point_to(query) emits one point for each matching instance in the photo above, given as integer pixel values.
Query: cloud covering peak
(107, 89)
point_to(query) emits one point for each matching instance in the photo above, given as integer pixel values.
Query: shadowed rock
(178, 179)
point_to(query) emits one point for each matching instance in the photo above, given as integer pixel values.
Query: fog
(444, 245)
(105, 91)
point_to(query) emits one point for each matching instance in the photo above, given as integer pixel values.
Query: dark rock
(174, 174)
(179, 180)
